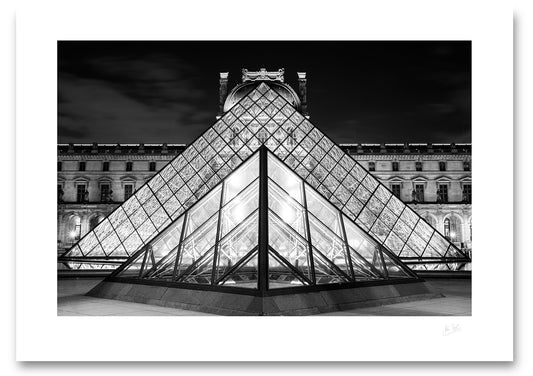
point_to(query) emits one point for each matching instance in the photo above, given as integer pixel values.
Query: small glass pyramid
(262, 223)
(264, 118)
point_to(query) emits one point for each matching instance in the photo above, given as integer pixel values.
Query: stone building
(95, 178)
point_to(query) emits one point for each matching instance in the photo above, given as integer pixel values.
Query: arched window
(447, 228)
(452, 229)
(74, 228)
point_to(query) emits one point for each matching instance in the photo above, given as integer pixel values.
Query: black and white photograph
(198, 181)
(264, 178)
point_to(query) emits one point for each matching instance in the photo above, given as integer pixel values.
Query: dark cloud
(362, 92)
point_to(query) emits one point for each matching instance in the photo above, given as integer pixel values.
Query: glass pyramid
(262, 227)
(263, 117)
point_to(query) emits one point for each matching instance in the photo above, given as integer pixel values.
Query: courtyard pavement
(71, 301)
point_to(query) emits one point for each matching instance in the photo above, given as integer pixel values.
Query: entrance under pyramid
(261, 202)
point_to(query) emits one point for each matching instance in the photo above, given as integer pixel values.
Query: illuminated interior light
(287, 214)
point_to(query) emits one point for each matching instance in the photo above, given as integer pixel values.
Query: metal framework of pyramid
(262, 228)
(264, 118)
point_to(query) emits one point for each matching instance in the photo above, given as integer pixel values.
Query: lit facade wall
(95, 178)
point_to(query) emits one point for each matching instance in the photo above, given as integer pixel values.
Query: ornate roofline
(263, 75)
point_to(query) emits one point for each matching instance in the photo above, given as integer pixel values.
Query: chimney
(302, 87)
(223, 92)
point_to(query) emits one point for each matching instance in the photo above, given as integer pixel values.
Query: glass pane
(409, 217)
(200, 272)
(146, 230)
(239, 208)
(395, 205)
(375, 205)
(245, 275)
(424, 230)
(133, 242)
(168, 241)
(402, 230)
(380, 231)
(354, 206)
(366, 219)
(438, 243)
(110, 243)
(383, 194)
(287, 209)
(97, 251)
(285, 178)
(241, 178)
(132, 270)
(203, 210)
(394, 269)
(117, 217)
(164, 194)
(88, 243)
(362, 193)
(325, 271)
(160, 219)
(236, 245)
(388, 218)
(408, 252)
(330, 245)
(453, 252)
(104, 229)
(394, 243)
(416, 243)
(291, 247)
(280, 275)
(197, 244)
(363, 245)
(323, 210)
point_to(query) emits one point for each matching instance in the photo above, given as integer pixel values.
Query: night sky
(358, 92)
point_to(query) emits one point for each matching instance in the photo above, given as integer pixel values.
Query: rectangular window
(467, 193)
(105, 166)
(59, 193)
(443, 193)
(128, 191)
(371, 166)
(152, 166)
(419, 192)
(129, 166)
(466, 166)
(59, 166)
(418, 166)
(442, 166)
(395, 166)
(396, 190)
(104, 192)
(82, 166)
(80, 193)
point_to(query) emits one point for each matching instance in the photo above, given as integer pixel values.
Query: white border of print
(43, 336)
